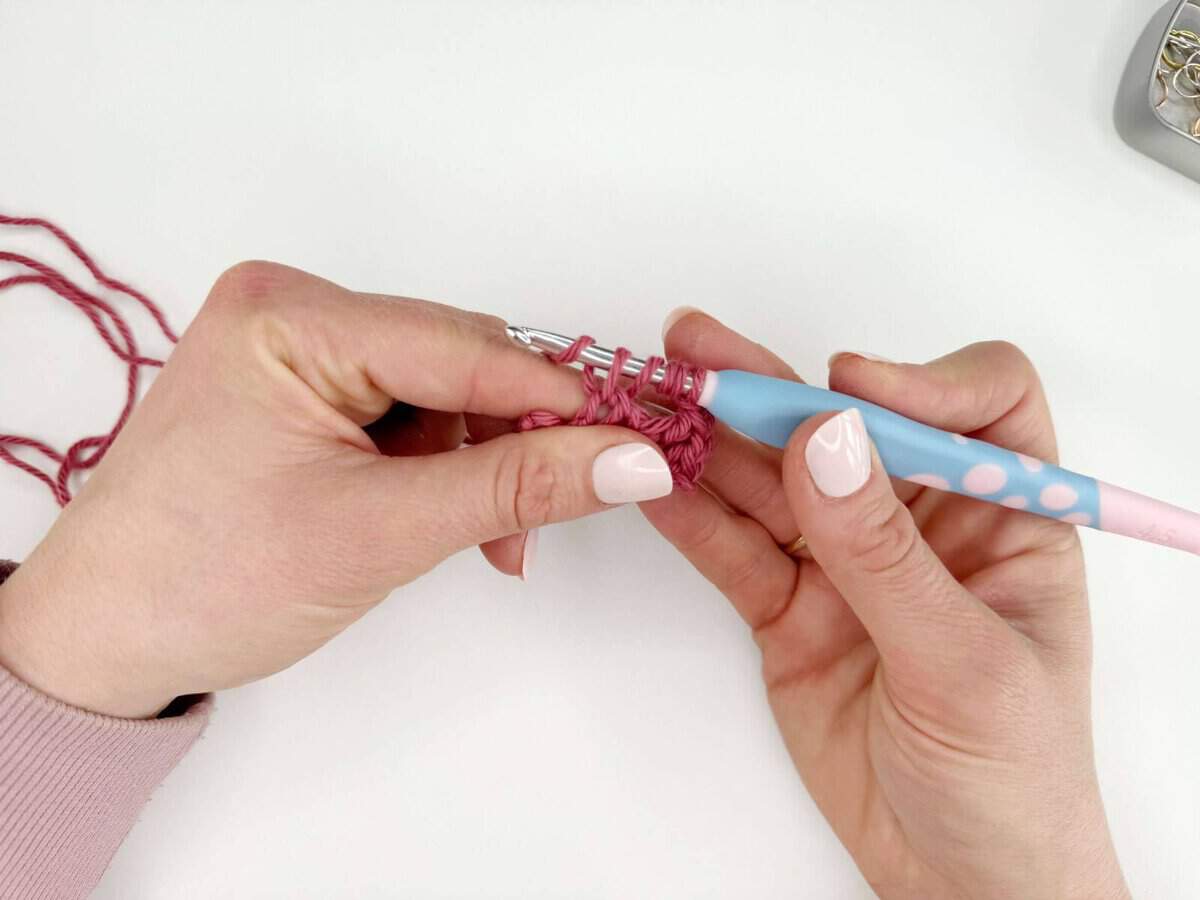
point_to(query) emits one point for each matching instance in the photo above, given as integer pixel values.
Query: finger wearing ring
(797, 549)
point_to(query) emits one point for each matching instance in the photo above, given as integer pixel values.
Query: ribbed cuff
(72, 784)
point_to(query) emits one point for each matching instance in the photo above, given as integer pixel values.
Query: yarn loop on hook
(685, 434)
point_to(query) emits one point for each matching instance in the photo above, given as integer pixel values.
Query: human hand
(929, 666)
(267, 492)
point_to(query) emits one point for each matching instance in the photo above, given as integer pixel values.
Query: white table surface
(902, 178)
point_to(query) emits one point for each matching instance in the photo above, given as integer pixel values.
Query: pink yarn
(88, 451)
(685, 436)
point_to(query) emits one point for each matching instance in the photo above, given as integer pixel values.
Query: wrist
(1094, 872)
(1064, 851)
(1105, 882)
(49, 641)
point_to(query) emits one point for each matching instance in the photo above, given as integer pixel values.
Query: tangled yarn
(684, 435)
(112, 328)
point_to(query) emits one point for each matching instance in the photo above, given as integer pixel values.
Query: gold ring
(1190, 37)
(796, 547)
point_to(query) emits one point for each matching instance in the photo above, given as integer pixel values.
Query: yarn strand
(685, 435)
(113, 329)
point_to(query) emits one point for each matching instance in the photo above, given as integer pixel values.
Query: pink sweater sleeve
(72, 784)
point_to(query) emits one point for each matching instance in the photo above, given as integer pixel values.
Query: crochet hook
(770, 409)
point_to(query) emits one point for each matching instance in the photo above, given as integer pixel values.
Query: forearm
(73, 782)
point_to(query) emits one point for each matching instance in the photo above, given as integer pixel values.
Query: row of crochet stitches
(684, 435)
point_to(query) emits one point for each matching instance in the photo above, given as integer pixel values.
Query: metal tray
(1163, 133)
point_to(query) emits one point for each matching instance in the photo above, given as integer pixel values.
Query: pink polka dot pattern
(1031, 464)
(933, 481)
(1077, 518)
(1016, 501)
(985, 478)
(1058, 496)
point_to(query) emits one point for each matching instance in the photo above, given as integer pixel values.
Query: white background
(902, 178)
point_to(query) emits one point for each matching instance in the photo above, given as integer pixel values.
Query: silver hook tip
(518, 335)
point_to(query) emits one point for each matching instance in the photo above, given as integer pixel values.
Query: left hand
(294, 462)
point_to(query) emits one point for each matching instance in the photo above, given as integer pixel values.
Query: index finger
(988, 390)
(353, 348)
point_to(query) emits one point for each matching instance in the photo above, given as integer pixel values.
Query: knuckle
(762, 495)
(1008, 350)
(476, 380)
(944, 394)
(699, 535)
(883, 538)
(745, 570)
(531, 490)
(1009, 357)
(263, 304)
(253, 279)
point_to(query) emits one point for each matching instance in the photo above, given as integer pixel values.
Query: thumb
(925, 625)
(519, 482)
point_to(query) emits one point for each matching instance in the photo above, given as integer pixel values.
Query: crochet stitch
(684, 435)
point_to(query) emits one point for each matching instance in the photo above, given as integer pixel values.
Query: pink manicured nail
(629, 473)
(839, 455)
(857, 354)
(528, 553)
(675, 315)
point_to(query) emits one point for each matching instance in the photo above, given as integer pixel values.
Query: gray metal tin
(1137, 121)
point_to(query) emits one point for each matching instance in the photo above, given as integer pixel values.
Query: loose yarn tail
(685, 435)
(113, 329)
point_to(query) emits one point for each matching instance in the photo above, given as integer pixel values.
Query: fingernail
(839, 455)
(628, 473)
(528, 553)
(857, 354)
(675, 315)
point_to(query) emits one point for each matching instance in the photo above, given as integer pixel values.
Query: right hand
(929, 667)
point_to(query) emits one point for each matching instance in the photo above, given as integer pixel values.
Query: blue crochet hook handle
(770, 409)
